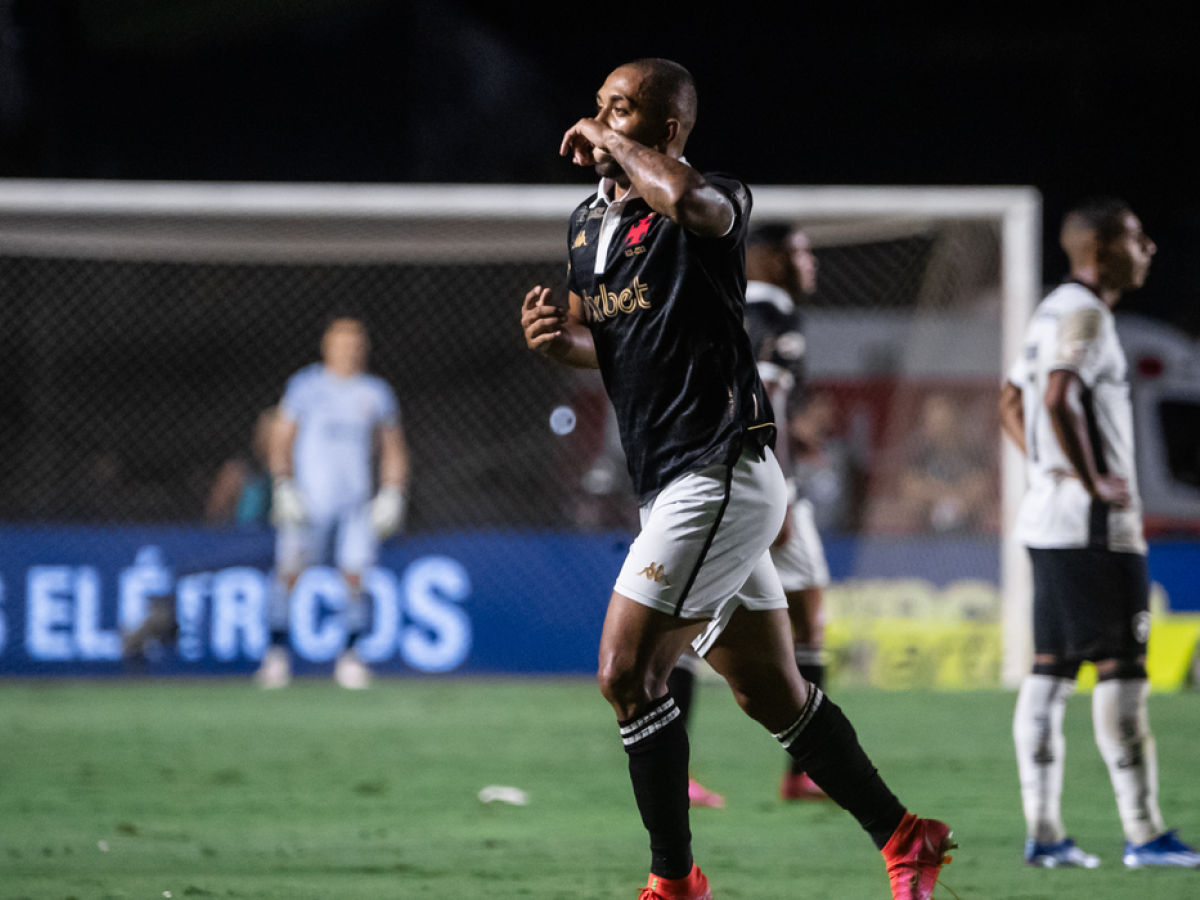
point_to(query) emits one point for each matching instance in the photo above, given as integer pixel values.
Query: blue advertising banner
(471, 603)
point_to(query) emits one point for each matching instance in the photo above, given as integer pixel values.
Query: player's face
(804, 260)
(1124, 262)
(344, 347)
(620, 106)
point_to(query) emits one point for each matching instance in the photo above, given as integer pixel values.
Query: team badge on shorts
(1141, 627)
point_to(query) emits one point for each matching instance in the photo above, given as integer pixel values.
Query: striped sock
(825, 744)
(656, 742)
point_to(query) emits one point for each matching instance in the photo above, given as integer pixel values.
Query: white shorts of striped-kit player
(800, 561)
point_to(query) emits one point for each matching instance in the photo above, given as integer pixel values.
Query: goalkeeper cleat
(1063, 855)
(351, 672)
(798, 786)
(700, 796)
(915, 855)
(694, 887)
(275, 671)
(1164, 850)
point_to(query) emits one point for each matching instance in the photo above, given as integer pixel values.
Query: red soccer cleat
(700, 796)
(915, 855)
(800, 787)
(694, 887)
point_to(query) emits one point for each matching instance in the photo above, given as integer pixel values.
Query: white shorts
(344, 539)
(801, 561)
(703, 549)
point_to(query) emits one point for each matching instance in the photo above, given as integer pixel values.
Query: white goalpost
(934, 285)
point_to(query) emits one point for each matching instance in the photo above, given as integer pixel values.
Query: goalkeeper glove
(387, 511)
(287, 506)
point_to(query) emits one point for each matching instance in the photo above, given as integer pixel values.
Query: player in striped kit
(780, 268)
(1066, 405)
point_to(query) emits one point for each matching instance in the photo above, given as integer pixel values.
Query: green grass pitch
(146, 790)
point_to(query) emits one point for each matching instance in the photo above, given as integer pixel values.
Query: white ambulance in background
(1164, 380)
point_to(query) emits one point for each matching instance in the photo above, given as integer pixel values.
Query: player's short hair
(770, 234)
(1103, 215)
(668, 90)
(343, 315)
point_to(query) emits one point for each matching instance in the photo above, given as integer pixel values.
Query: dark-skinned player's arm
(558, 332)
(669, 186)
(1012, 414)
(1065, 408)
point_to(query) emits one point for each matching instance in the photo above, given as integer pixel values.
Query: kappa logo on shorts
(655, 573)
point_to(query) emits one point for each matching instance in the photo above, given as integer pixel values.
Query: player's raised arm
(642, 122)
(556, 331)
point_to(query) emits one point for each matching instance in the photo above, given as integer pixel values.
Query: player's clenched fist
(543, 321)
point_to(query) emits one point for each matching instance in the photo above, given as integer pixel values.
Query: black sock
(680, 685)
(823, 741)
(657, 744)
(808, 661)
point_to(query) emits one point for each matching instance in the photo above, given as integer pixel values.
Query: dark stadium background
(1073, 98)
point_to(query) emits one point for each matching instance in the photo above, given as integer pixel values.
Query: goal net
(145, 327)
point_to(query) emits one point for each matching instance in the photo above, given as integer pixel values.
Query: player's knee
(1057, 668)
(1121, 670)
(622, 685)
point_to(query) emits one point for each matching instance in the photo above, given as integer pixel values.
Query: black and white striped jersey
(1074, 329)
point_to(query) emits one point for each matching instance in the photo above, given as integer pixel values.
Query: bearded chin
(609, 168)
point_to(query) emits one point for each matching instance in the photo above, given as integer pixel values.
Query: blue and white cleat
(1164, 850)
(1063, 855)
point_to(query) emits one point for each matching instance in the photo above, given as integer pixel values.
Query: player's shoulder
(375, 382)
(310, 374)
(762, 297)
(585, 209)
(1069, 297)
(738, 190)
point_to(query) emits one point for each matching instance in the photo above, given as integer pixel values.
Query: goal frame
(109, 206)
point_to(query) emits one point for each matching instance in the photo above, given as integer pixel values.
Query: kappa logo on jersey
(638, 232)
(607, 304)
(655, 573)
(580, 240)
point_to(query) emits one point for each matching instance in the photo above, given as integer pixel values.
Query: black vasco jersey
(665, 311)
(776, 331)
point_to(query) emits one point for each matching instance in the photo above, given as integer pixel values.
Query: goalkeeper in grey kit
(334, 420)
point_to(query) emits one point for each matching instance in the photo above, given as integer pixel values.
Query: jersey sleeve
(292, 406)
(1018, 372)
(739, 195)
(387, 411)
(1078, 345)
(761, 325)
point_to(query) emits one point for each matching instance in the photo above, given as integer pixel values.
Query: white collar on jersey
(762, 292)
(608, 186)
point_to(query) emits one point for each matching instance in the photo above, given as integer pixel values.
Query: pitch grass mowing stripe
(215, 789)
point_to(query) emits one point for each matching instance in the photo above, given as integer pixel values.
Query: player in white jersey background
(781, 268)
(1066, 405)
(335, 421)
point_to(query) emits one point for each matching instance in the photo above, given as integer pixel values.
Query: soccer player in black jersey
(656, 295)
